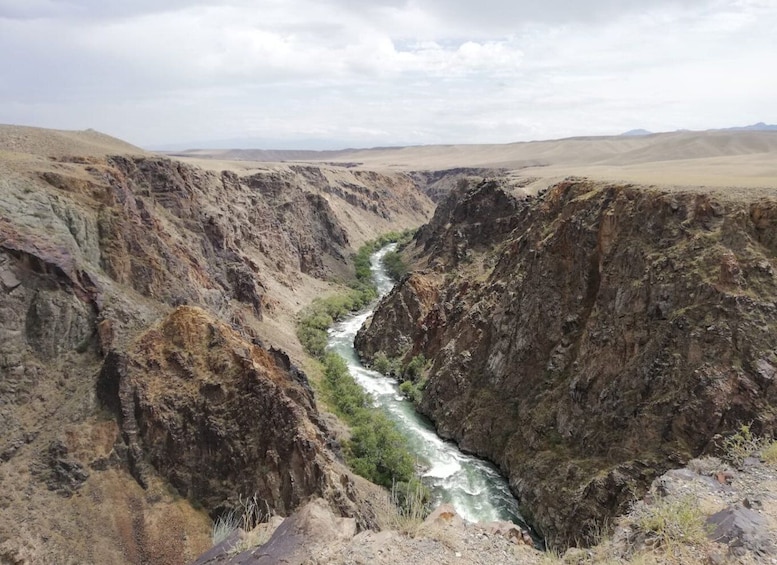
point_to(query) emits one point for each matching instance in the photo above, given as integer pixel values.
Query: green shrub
(344, 393)
(319, 316)
(410, 391)
(361, 260)
(378, 451)
(415, 369)
(385, 365)
(381, 363)
(394, 265)
(742, 444)
(312, 339)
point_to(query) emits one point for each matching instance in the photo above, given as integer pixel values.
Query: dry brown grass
(403, 512)
(769, 452)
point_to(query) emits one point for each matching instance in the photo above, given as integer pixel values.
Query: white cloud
(418, 71)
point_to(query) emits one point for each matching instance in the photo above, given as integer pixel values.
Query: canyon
(584, 334)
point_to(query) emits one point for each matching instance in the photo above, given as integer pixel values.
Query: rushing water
(473, 487)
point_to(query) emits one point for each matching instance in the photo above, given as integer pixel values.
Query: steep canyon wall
(589, 338)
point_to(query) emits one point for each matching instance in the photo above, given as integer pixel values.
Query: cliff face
(162, 282)
(219, 417)
(592, 338)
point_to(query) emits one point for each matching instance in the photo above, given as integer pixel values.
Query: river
(472, 486)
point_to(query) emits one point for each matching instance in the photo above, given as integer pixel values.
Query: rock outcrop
(220, 418)
(315, 535)
(588, 339)
(439, 184)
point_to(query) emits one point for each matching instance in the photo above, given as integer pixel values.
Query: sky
(360, 73)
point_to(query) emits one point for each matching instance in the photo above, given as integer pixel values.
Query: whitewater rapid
(472, 486)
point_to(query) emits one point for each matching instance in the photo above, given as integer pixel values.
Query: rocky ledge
(315, 535)
(709, 512)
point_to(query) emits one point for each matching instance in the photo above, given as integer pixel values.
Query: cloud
(418, 71)
(91, 9)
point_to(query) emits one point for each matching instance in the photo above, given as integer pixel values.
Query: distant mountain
(760, 126)
(269, 144)
(255, 143)
(636, 132)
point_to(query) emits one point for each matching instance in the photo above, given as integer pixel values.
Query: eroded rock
(742, 529)
(59, 471)
(217, 416)
(96, 249)
(590, 339)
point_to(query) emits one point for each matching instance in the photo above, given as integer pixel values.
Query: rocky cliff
(218, 417)
(143, 302)
(590, 338)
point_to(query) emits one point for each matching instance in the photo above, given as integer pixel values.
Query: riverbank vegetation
(376, 449)
(395, 265)
(361, 260)
(412, 375)
(322, 313)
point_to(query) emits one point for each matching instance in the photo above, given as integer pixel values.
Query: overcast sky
(328, 73)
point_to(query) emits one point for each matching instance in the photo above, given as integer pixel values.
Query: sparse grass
(551, 557)
(245, 516)
(412, 499)
(405, 507)
(256, 537)
(223, 527)
(673, 522)
(671, 531)
(769, 453)
(742, 444)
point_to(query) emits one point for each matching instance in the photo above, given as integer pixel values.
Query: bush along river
(472, 486)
